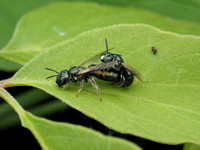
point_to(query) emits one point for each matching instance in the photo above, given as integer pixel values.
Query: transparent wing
(93, 59)
(133, 71)
(98, 67)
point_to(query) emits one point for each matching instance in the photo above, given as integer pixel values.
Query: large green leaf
(58, 22)
(164, 107)
(62, 136)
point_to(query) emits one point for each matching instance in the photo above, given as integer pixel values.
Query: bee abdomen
(109, 75)
(128, 78)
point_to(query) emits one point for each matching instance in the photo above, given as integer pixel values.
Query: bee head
(62, 77)
(107, 57)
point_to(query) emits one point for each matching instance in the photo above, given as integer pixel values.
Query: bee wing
(98, 67)
(91, 60)
(133, 71)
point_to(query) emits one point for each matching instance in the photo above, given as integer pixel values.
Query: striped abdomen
(110, 75)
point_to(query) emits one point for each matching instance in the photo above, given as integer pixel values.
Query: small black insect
(154, 50)
(66, 76)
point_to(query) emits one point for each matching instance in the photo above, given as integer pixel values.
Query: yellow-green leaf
(164, 107)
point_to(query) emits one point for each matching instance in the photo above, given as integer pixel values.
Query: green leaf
(54, 135)
(55, 23)
(62, 136)
(11, 11)
(180, 9)
(164, 107)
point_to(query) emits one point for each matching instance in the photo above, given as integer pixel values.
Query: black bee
(66, 76)
(119, 73)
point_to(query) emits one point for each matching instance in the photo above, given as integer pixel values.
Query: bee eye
(102, 57)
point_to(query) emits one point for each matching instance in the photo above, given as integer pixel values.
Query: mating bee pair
(112, 69)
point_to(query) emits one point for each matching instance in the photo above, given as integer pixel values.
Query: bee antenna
(53, 71)
(106, 45)
(51, 76)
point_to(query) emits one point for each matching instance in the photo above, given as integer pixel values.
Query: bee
(119, 72)
(154, 50)
(64, 77)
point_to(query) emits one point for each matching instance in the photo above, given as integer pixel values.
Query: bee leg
(96, 86)
(81, 87)
(66, 85)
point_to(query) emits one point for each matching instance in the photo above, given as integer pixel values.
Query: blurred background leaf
(9, 66)
(178, 9)
(12, 10)
(58, 22)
